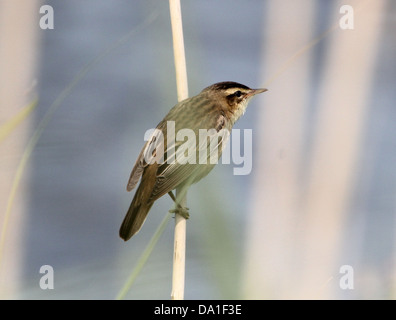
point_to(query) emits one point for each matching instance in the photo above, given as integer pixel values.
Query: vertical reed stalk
(179, 255)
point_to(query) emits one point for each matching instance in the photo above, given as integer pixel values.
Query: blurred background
(321, 194)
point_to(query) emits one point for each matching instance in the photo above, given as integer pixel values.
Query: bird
(214, 110)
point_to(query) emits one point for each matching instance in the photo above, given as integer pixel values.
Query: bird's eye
(238, 93)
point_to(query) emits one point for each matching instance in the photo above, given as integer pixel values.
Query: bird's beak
(256, 91)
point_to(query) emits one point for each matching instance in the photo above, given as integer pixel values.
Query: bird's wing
(147, 155)
(184, 170)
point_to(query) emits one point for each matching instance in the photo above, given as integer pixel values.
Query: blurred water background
(73, 198)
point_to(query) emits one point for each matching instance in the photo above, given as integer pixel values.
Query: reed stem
(179, 255)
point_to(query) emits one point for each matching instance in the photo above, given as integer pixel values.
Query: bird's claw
(183, 211)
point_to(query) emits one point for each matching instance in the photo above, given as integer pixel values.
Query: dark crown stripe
(226, 85)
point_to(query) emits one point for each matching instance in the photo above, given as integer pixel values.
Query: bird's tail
(134, 219)
(141, 204)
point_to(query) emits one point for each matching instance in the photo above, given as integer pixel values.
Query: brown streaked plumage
(216, 107)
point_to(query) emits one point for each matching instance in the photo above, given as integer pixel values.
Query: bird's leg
(183, 211)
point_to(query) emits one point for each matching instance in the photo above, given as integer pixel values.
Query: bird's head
(232, 96)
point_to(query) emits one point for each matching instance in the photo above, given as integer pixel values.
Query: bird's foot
(183, 211)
